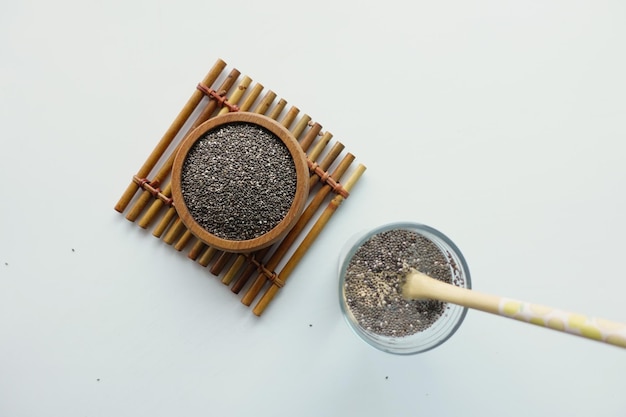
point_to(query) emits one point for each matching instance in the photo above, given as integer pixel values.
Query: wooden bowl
(297, 204)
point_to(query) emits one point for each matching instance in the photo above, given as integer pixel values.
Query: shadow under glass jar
(372, 267)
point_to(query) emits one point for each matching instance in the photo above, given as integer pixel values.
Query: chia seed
(376, 273)
(238, 181)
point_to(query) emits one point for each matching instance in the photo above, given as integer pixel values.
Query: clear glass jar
(443, 327)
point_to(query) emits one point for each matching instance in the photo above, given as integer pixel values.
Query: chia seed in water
(374, 278)
(238, 181)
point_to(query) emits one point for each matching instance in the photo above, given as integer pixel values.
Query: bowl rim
(297, 205)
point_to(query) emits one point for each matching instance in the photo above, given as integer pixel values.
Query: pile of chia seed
(238, 181)
(376, 273)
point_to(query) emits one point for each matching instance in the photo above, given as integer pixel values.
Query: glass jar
(444, 326)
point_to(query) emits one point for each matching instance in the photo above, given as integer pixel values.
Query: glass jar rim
(443, 328)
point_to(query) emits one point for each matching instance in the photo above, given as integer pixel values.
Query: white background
(500, 123)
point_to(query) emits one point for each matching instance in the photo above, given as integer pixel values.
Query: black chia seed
(238, 181)
(374, 278)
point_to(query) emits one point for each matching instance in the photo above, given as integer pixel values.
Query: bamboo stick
(154, 208)
(169, 135)
(174, 231)
(170, 214)
(213, 105)
(291, 237)
(301, 125)
(290, 116)
(278, 109)
(207, 255)
(307, 242)
(139, 205)
(311, 135)
(265, 103)
(165, 170)
(183, 240)
(319, 146)
(236, 96)
(254, 94)
(243, 278)
(326, 162)
(221, 262)
(196, 249)
(234, 268)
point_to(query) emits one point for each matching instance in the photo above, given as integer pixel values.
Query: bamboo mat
(259, 275)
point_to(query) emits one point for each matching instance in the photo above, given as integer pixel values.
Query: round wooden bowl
(297, 205)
